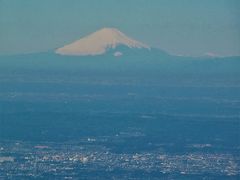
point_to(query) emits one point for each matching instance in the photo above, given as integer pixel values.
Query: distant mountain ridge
(109, 52)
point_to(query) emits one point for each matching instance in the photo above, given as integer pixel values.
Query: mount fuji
(109, 51)
(101, 42)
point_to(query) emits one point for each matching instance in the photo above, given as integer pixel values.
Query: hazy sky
(187, 27)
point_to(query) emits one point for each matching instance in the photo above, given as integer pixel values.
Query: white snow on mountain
(99, 42)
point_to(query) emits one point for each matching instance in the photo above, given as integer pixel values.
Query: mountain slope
(100, 42)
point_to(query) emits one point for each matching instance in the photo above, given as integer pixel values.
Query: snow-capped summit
(99, 42)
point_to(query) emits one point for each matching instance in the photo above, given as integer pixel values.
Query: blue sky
(187, 27)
